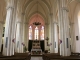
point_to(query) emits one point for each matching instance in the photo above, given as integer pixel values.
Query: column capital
(23, 13)
(51, 14)
(55, 22)
(71, 23)
(26, 23)
(9, 7)
(65, 8)
(18, 22)
(2, 22)
(46, 23)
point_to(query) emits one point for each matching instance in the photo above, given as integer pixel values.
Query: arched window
(30, 33)
(79, 19)
(36, 33)
(42, 33)
(37, 27)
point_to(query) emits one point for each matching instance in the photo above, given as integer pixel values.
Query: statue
(47, 40)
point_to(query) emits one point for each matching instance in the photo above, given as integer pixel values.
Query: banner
(17, 44)
(6, 42)
(67, 42)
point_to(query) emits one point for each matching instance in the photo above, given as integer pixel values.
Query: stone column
(1, 33)
(23, 30)
(72, 37)
(52, 47)
(46, 35)
(8, 30)
(13, 33)
(20, 34)
(33, 29)
(19, 37)
(64, 28)
(55, 37)
(39, 30)
(8, 46)
(66, 35)
(26, 34)
(60, 28)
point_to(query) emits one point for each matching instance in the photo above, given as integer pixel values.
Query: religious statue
(47, 40)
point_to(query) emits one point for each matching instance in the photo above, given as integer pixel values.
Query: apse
(36, 28)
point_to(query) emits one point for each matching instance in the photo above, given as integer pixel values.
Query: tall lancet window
(42, 33)
(30, 33)
(36, 33)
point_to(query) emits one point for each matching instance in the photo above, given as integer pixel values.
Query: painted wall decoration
(55, 44)
(77, 38)
(3, 31)
(67, 42)
(17, 44)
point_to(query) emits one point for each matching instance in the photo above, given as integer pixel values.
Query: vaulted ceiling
(44, 8)
(41, 7)
(2, 10)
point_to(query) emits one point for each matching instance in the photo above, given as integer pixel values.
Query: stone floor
(36, 58)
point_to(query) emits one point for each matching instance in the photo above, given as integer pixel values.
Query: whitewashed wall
(77, 29)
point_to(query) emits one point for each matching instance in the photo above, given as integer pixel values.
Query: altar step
(36, 58)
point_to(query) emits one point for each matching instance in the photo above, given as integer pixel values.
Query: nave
(31, 27)
(45, 56)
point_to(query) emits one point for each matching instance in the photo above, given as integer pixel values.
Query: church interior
(39, 29)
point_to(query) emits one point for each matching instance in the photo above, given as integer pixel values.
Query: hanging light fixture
(37, 23)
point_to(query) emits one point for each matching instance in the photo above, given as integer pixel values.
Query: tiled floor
(36, 58)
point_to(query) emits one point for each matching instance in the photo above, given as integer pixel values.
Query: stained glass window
(42, 33)
(36, 33)
(30, 32)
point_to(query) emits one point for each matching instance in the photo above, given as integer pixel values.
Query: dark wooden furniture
(54, 56)
(17, 56)
(41, 45)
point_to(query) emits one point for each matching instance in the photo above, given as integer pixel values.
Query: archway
(36, 32)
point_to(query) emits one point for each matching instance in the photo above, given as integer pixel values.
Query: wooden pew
(75, 54)
(58, 57)
(71, 58)
(51, 56)
(27, 55)
(17, 56)
(13, 58)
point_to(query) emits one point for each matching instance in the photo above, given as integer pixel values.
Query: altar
(33, 46)
(36, 48)
(36, 52)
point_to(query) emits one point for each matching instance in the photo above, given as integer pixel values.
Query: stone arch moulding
(40, 14)
(34, 18)
(30, 1)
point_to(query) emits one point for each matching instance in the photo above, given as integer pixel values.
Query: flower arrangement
(60, 41)
(50, 44)
(25, 49)
(23, 44)
(13, 40)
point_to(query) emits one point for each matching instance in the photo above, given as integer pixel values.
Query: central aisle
(36, 58)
